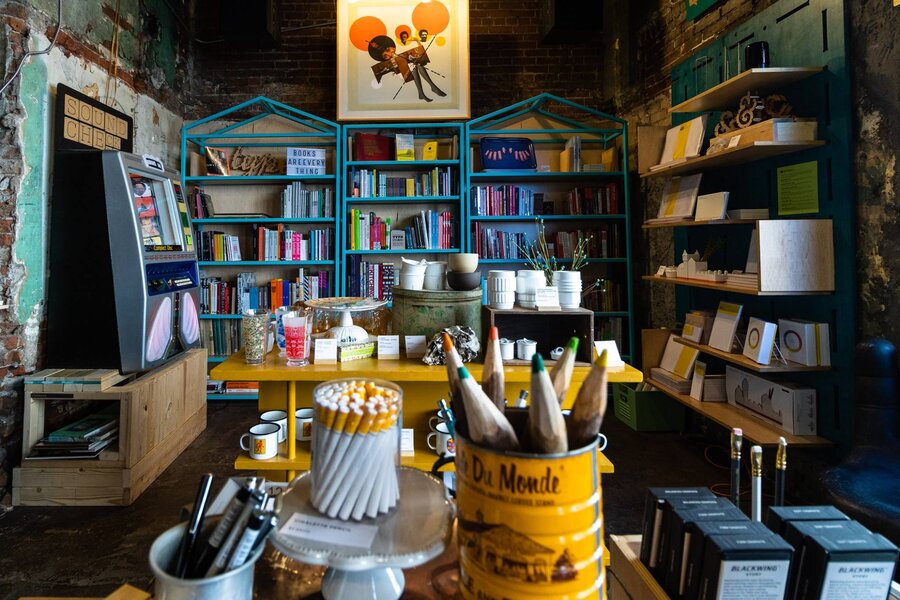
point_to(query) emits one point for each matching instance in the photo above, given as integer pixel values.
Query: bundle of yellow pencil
(355, 449)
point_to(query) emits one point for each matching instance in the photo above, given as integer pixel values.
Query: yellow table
(422, 386)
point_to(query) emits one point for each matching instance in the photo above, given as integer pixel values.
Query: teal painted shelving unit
(258, 127)
(808, 43)
(550, 121)
(383, 200)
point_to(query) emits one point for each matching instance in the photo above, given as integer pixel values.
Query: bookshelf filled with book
(401, 196)
(549, 169)
(263, 185)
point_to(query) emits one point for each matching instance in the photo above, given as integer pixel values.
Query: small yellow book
(429, 151)
(565, 160)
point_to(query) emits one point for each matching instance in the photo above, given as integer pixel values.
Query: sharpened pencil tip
(601, 360)
(573, 344)
(537, 363)
(494, 334)
(448, 342)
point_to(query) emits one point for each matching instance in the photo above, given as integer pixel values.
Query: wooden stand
(629, 579)
(555, 329)
(160, 413)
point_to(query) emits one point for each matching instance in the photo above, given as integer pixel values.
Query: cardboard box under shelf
(548, 328)
(646, 411)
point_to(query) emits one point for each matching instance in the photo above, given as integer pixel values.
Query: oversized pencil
(561, 373)
(546, 425)
(487, 425)
(756, 483)
(492, 379)
(590, 405)
(454, 362)
(737, 438)
(780, 471)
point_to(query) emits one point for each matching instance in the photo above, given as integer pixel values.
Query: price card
(329, 531)
(326, 351)
(407, 444)
(734, 141)
(613, 358)
(661, 271)
(389, 346)
(546, 297)
(415, 346)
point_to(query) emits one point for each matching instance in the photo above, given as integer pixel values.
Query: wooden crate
(629, 578)
(160, 414)
(548, 328)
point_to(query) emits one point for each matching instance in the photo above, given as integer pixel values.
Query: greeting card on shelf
(760, 340)
(725, 326)
(712, 207)
(679, 198)
(678, 358)
(683, 142)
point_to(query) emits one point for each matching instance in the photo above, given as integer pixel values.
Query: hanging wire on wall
(37, 52)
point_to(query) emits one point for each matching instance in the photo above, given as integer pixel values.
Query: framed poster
(402, 60)
(695, 8)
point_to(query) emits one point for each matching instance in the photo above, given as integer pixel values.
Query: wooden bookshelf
(750, 364)
(724, 287)
(693, 223)
(727, 94)
(756, 430)
(733, 156)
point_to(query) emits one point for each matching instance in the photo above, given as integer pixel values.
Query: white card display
(613, 358)
(805, 342)
(407, 441)
(415, 346)
(388, 346)
(697, 382)
(760, 339)
(325, 351)
(678, 358)
(683, 141)
(546, 297)
(712, 207)
(725, 325)
(679, 197)
(331, 531)
(692, 332)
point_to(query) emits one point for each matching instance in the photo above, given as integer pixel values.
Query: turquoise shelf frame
(316, 131)
(544, 106)
(800, 33)
(348, 167)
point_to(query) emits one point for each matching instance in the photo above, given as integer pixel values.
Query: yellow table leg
(292, 426)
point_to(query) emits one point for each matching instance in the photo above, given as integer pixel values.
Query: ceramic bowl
(463, 263)
(463, 282)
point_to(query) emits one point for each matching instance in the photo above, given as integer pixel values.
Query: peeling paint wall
(149, 61)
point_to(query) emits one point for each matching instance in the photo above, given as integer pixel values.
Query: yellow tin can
(530, 525)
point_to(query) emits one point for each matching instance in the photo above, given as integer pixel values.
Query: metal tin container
(426, 312)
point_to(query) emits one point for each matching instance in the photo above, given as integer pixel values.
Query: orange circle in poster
(364, 29)
(441, 40)
(432, 16)
(403, 34)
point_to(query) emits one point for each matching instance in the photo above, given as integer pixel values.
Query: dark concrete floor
(85, 551)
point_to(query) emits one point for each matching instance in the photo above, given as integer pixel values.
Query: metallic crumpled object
(464, 339)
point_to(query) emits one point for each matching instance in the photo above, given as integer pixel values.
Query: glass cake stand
(416, 531)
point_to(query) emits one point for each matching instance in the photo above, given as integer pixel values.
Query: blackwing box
(680, 527)
(745, 566)
(698, 546)
(795, 533)
(654, 505)
(835, 564)
(672, 505)
(779, 515)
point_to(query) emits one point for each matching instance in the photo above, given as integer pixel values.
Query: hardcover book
(371, 146)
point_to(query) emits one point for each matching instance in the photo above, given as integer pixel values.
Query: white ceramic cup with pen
(261, 441)
(279, 418)
(441, 441)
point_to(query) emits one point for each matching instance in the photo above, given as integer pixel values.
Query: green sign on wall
(695, 8)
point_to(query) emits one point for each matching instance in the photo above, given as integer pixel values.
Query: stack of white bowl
(501, 289)
(569, 285)
(527, 281)
(412, 274)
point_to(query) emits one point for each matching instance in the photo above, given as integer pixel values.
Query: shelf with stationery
(789, 160)
(575, 189)
(262, 184)
(401, 195)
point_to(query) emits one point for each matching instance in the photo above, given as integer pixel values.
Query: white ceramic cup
(435, 268)
(501, 281)
(441, 441)
(262, 441)
(303, 419)
(525, 349)
(507, 349)
(276, 417)
(569, 299)
(502, 300)
(435, 282)
(412, 282)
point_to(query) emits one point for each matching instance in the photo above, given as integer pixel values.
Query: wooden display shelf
(756, 430)
(422, 460)
(727, 94)
(733, 156)
(543, 175)
(724, 287)
(628, 576)
(693, 223)
(749, 363)
(403, 370)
